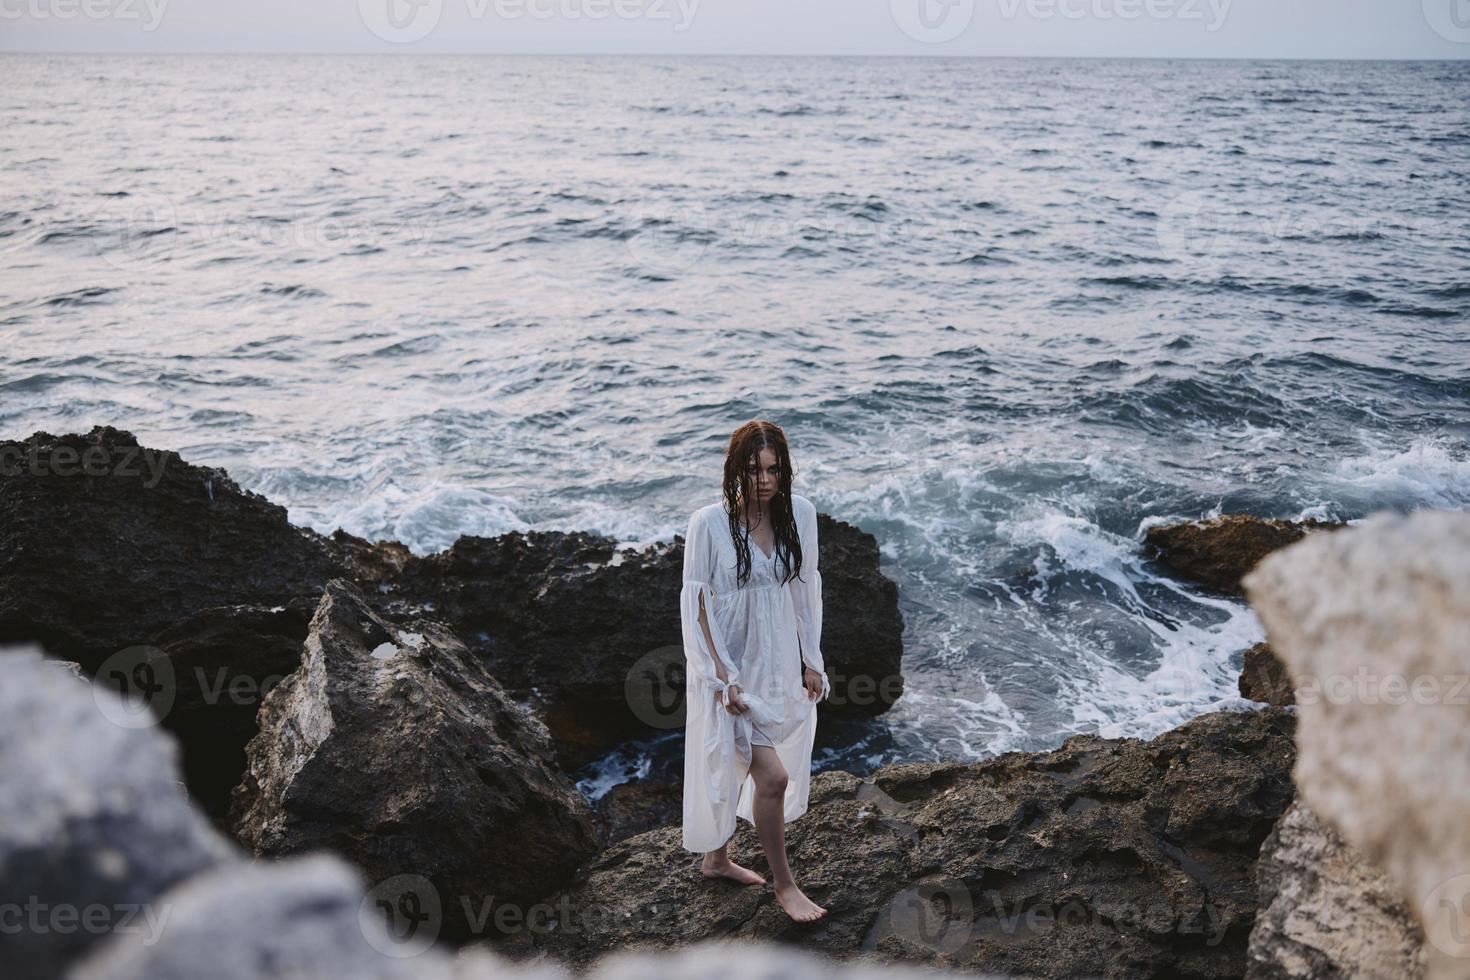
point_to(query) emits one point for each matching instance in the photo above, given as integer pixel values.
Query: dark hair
(746, 444)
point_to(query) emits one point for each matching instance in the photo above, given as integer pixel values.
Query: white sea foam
(1193, 674)
(1428, 472)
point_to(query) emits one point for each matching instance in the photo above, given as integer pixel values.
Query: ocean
(1009, 312)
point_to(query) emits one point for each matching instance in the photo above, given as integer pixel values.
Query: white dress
(763, 631)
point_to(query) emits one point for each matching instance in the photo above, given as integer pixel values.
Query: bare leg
(768, 808)
(717, 864)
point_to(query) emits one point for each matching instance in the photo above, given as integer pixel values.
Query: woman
(752, 614)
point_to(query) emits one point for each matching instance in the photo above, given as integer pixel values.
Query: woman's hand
(813, 682)
(737, 704)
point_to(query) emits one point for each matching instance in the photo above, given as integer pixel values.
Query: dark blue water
(1009, 312)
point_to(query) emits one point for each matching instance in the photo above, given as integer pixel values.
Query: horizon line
(733, 54)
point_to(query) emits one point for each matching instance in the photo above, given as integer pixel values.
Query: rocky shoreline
(418, 717)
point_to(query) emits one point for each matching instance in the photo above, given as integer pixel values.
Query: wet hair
(741, 459)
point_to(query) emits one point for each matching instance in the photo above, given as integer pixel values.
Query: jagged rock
(95, 562)
(396, 748)
(92, 826)
(563, 618)
(1372, 623)
(632, 808)
(1218, 551)
(90, 819)
(1105, 856)
(93, 565)
(1263, 677)
(1326, 912)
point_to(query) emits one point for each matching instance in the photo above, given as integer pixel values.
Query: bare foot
(729, 869)
(797, 905)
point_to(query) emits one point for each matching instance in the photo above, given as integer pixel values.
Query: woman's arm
(710, 640)
(704, 649)
(806, 595)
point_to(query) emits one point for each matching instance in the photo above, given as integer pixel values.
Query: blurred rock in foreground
(1372, 623)
(1326, 912)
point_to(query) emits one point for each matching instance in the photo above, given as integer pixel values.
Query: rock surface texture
(1105, 857)
(90, 819)
(1372, 623)
(396, 748)
(1264, 678)
(1327, 913)
(1218, 551)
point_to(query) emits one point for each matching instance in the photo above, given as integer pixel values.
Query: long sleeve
(806, 596)
(699, 568)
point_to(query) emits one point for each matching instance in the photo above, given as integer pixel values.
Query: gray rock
(393, 746)
(1326, 912)
(92, 826)
(1372, 624)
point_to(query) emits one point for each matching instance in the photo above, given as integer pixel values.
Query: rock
(754, 959)
(396, 748)
(562, 619)
(1327, 912)
(92, 826)
(223, 661)
(632, 808)
(97, 565)
(1264, 678)
(1216, 552)
(1104, 856)
(103, 543)
(1372, 623)
(247, 921)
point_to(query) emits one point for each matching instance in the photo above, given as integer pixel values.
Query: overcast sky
(1148, 28)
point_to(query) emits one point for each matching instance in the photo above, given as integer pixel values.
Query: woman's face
(763, 476)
